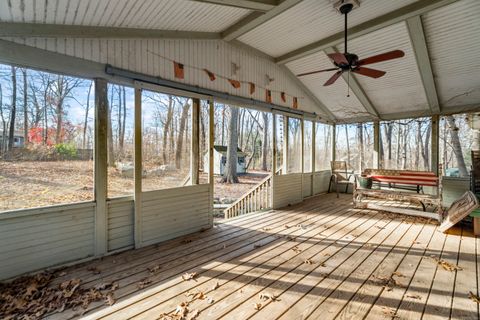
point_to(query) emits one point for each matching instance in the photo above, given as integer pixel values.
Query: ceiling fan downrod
(345, 10)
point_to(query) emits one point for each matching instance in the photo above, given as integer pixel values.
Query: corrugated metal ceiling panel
(150, 14)
(335, 96)
(401, 89)
(453, 38)
(312, 20)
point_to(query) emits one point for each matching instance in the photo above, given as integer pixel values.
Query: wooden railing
(258, 198)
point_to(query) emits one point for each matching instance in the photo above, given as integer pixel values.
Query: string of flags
(179, 73)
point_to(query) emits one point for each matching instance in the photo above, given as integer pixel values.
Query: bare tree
(13, 112)
(456, 146)
(85, 123)
(181, 131)
(230, 175)
(25, 106)
(166, 127)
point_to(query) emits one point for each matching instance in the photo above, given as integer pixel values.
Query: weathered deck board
(351, 251)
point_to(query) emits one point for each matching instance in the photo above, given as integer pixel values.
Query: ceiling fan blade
(318, 71)
(338, 58)
(333, 78)
(372, 73)
(382, 57)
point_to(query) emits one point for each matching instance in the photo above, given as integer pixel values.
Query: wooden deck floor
(319, 260)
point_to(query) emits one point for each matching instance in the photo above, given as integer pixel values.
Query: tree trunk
(25, 107)
(85, 123)
(124, 120)
(348, 146)
(418, 141)
(426, 153)
(223, 125)
(230, 175)
(166, 128)
(4, 122)
(456, 145)
(111, 154)
(59, 109)
(361, 147)
(181, 131)
(13, 112)
(265, 142)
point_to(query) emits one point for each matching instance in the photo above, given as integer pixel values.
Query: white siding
(39, 238)
(145, 56)
(120, 223)
(287, 190)
(320, 181)
(171, 213)
(307, 185)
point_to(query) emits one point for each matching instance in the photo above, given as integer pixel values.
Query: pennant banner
(252, 87)
(295, 103)
(284, 98)
(234, 83)
(178, 70)
(211, 75)
(268, 96)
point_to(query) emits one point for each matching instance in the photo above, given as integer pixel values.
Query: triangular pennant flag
(295, 103)
(284, 98)
(211, 75)
(178, 70)
(268, 96)
(234, 83)
(252, 87)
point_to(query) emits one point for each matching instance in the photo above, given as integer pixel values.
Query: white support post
(302, 145)
(138, 169)
(101, 167)
(376, 145)
(274, 144)
(211, 141)
(334, 141)
(313, 154)
(195, 142)
(285, 145)
(435, 144)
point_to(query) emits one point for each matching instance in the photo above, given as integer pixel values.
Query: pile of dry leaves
(32, 297)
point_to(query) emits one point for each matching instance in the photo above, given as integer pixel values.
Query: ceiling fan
(346, 62)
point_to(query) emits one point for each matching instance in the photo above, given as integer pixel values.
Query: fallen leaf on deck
(181, 310)
(296, 249)
(323, 264)
(256, 246)
(185, 241)
(446, 265)
(379, 227)
(268, 296)
(143, 283)
(266, 229)
(224, 246)
(414, 296)
(109, 299)
(194, 314)
(308, 261)
(390, 312)
(398, 274)
(290, 238)
(326, 254)
(474, 297)
(94, 270)
(154, 269)
(210, 300)
(68, 287)
(62, 274)
(287, 226)
(257, 306)
(215, 286)
(189, 276)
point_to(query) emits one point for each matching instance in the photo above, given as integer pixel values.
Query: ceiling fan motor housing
(345, 6)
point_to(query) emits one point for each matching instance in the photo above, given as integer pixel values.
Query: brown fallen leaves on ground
(257, 306)
(474, 297)
(389, 282)
(308, 261)
(143, 283)
(390, 312)
(268, 296)
(446, 265)
(35, 296)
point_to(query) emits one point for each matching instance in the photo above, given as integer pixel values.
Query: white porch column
(138, 169)
(101, 166)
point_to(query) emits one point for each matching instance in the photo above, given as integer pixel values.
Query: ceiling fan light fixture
(345, 6)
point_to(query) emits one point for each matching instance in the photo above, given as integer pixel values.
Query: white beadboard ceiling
(453, 37)
(312, 20)
(180, 15)
(401, 89)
